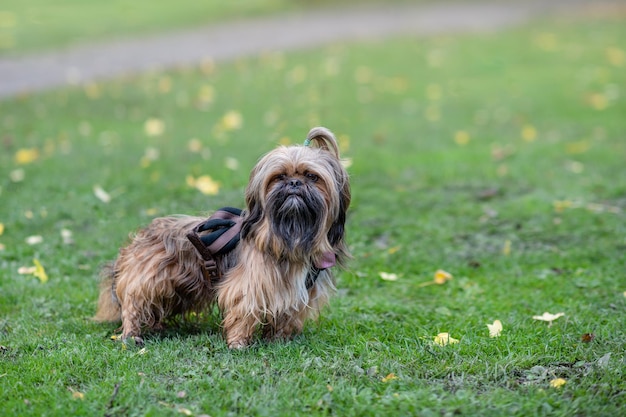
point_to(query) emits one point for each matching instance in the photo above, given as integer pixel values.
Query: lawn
(498, 158)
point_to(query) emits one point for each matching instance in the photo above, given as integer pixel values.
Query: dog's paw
(238, 344)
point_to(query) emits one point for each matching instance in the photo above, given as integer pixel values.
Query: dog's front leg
(239, 327)
(285, 326)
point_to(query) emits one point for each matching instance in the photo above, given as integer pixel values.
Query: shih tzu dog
(267, 267)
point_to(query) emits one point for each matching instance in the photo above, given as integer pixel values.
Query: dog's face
(297, 199)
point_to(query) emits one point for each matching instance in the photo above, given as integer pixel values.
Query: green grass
(27, 25)
(422, 202)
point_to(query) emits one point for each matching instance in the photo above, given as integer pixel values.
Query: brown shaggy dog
(292, 232)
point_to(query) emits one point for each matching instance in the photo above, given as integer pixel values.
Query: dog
(276, 276)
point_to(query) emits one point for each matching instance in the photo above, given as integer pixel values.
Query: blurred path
(230, 40)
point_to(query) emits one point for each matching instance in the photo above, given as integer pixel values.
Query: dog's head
(297, 199)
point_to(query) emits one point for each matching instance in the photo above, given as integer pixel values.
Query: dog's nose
(295, 183)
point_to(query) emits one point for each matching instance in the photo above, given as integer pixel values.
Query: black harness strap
(224, 230)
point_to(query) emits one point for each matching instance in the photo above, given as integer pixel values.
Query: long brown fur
(159, 274)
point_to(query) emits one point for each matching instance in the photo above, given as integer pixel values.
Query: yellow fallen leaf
(441, 277)
(561, 205)
(529, 133)
(393, 250)
(1, 228)
(548, 317)
(232, 120)
(40, 272)
(194, 145)
(387, 276)
(495, 329)
(506, 249)
(461, 137)
(598, 101)
(442, 339)
(154, 127)
(616, 56)
(389, 377)
(206, 95)
(558, 382)
(205, 184)
(116, 337)
(26, 156)
(78, 395)
(185, 411)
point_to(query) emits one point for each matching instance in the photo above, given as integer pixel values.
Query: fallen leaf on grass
(506, 249)
(587, 337)
(388, 276)
(40, 272)
(616, 56)
(440, 278)
(389, 377)
(76, 394)
(67, 236)
(558, 382)
(529, 133)
(1, 228)
(34, 240)
(205, 184)
(17, 175)
(37, 270)
(231, 163)
(603, 362)
(185, 411)
(26, 156)
(443, 339)
(232, 120)
(461, 137)
(101, 195)
(154, 127)
(549, 317)
(495, 329)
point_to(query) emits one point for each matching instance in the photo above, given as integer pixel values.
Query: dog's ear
(324, 139)
(254, 208)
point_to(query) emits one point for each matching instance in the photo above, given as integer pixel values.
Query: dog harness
(224, 228)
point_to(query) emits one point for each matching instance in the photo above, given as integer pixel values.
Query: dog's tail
(108, 305)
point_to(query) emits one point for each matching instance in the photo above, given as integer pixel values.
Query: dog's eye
(312, 177)
(280, 177)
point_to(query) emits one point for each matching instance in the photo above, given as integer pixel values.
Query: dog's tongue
(328, 260)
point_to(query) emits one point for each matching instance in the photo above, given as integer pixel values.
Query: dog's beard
(296, 216)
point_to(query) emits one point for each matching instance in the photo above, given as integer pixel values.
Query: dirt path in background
(231, 40)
